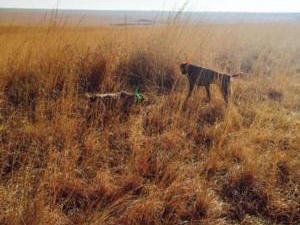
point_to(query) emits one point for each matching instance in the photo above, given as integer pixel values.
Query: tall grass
(67, 160)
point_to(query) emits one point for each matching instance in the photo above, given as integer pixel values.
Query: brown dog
(205, 77)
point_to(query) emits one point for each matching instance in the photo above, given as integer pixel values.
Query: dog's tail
(240, 74)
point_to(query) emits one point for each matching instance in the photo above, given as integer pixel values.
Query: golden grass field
(67, 160)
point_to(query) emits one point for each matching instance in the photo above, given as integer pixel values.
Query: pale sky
(194, 5)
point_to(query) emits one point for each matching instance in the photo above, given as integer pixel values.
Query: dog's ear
(184, 68)
(183, 64)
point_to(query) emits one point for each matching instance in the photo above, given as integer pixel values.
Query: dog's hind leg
(207, 88)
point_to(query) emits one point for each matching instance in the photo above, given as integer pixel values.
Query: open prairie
(69, 159)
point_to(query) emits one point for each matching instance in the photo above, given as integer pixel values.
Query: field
(67, 159)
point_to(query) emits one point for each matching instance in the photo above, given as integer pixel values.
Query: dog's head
(184, 68)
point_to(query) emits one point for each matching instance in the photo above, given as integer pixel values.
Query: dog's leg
(191, 87)
(225, 88)
(207, 88)
(225, 95)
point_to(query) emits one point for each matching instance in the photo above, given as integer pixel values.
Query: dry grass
(65, 160)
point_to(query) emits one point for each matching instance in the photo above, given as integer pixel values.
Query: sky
(193, 5)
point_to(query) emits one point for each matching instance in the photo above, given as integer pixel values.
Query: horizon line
(154, 10)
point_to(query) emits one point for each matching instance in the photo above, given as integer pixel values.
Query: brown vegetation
(67, 160)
